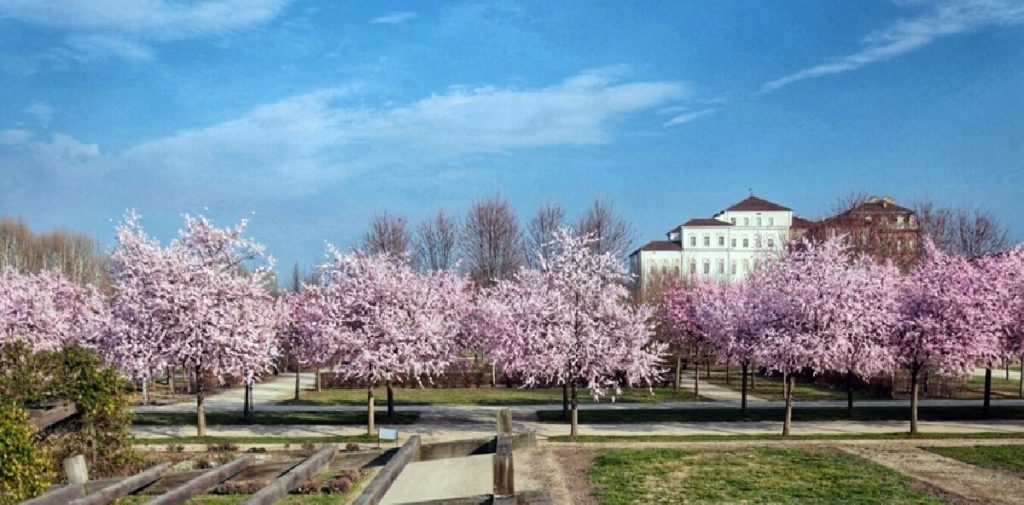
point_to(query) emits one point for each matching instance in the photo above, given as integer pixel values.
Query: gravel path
(969, 482)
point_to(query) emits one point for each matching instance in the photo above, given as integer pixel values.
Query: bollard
(75, 470)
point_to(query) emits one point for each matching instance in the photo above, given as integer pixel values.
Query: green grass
(597, 439)
(479, 396)
(771, 388)
(270, 418)
(1000, 386)
(339, 439)
(732, 414)
(999, 457)
(758, 475)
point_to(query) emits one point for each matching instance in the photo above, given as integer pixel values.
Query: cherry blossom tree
(193, 302)
(1002, 275)
(944, 321)
(47, 311)
(679, 315)
(733, 327)
(379, 321)
(568, 323)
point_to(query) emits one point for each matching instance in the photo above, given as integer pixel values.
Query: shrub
(222, 447)
(24, 472)
(351, 446)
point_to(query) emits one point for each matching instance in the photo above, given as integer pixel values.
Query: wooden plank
(43, 419)
(374, 492)
(291, 480)
(504, 422)
(58, 496)
(208, 480)
(124, 487)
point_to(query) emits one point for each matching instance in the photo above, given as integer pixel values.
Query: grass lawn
(479, 396)
(1000, 386)
(597, 439)
(756, 475)
(958, 413)
(770, 388)
(271, 418)
(999, 457)
(339, 439)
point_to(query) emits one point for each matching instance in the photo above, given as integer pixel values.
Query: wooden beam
(202, 483)
(504, 422)
(504, 472)
(58, 495)
(291, 480)
(124, 487)
(43, 419)
(374, 492)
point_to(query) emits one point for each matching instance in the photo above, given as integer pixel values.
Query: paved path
(715, 392)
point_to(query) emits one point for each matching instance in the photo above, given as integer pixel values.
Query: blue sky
(314, 115)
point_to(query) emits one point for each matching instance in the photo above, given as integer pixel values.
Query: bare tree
(77, 256)
(491, 240)
(548, 219)
(611, 232)
(436, 240)
(970, 233)
(388, 234)
(848, 202)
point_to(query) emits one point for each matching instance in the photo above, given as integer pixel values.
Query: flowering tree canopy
(192, 302)
(568, 322)
(47, 311)
(378, 320)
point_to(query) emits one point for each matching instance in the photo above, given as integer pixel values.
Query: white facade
(724, 248)
(655, 265)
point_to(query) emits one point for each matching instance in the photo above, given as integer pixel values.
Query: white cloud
(14, 136)
(295, 144)
(122, 28)
(42, 112)
(907, 35)
(393, 18)
(687, 117)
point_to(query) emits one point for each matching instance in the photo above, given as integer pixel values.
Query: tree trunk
(913, 401)
(708, 362)
(790, 382)
(245, 402)
(986, 407)
(849, 393)
(679, 372)
(494, 375)
(727, 373)
(200, 404)
(170, 380)
(565, 401)
(391, 403)
(1020, 391)
(1006, 364)
(298, 372)
(696, 381)
(319, 381)
(574, 427)
(753, 373)
(743, 391)
(145, 391)
(370, 427)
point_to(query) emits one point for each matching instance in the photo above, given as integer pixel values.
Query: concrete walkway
(715, 392)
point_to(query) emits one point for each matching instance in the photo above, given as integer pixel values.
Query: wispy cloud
(42, 113)
(393, 18)
(904, 36)
(296, 143)
(14, 136)
(686, 117)
(124, 29)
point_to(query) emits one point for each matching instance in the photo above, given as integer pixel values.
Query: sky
(308, 117)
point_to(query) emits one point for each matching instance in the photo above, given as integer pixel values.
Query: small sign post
(389, 434)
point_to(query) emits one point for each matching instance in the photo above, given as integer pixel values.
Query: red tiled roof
(799, 222)
(756, 204)
(659, 245)
(706, 222)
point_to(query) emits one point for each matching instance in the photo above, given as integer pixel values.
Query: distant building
(878, 227)
(723, 248)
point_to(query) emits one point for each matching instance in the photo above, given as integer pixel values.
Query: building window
(746, 221)
(707, 267)
(693, 268)
(733, 242)
(771, 221)
(693, 241)
(707, 241)
(746, 266)
(771, 243)
(732, 220)
(721, 241)
(721, 266)
(758, 222)
(910, 245)
(899, 246)
(664, 270)
(757, 242)
(746, 242)
(733, 267)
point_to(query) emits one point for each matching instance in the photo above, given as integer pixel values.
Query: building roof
(706, 222)
(753, 203)
(799, 222)
(659, 245)
(876, 204)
